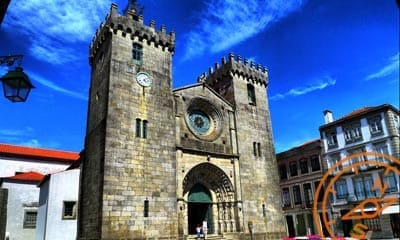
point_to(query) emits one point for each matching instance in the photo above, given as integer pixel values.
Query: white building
(21, 169)
(58, 202)
(370, 129)
(19, 159)
(22, 204)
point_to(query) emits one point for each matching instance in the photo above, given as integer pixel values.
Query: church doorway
(199, 208)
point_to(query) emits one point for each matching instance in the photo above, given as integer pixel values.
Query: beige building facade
(375, 178)
(300, 172)
(159, 161)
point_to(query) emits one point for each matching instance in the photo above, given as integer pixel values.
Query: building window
(141, 128)
(69, 210)
(293, 168)
(331, 139)
(359, 188)
(282, 171)
(308, 195)
(303, 166)
(363, 187)
(251, 94)
(257, 149)
(381, 148)
(341, 189)
(144, 133)
(286, 197)
(358, 156)
(390, 180)
(333, 160)
(352, 133)
(137, 53)
(264, 210)
(373, 224)
(375, 125)
(138, 127)
(315, 165)
(30, 219)
(321, 192)
(146, 208)
(296, 195)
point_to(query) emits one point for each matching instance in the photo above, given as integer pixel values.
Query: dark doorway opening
(199, 208)
(347, 225)
(197, 213)
(290, 225)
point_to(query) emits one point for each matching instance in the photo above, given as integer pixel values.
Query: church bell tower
(128, 184)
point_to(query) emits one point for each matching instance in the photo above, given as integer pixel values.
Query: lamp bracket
(11, 59)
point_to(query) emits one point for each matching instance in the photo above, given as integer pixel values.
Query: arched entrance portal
(210, 195)
(199, 208)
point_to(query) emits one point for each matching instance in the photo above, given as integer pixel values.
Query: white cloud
(391, 67)
(52, 25)
(48, 51)
(225, 23)
(45, 82)
(31, 143)
(15, 132)
(3, 70)
(13, 135)
(319, 84)
(24, 137)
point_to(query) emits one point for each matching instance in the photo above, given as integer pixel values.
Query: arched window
(137, 53)
(251, 94)
(146, 208)
(141, 128)
(138, 127)
(144, 133)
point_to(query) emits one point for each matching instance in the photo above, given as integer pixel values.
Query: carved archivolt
(213, 178)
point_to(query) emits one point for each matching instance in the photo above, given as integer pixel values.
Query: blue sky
(338, 55)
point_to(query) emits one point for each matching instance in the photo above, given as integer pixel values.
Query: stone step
(209, 237)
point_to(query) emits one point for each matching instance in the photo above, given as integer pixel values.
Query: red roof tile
(38, 153)
(356, 112)
(360, 112)
(28, 176)
(309, 142)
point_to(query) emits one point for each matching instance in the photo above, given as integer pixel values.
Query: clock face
(143, 79)
(199, 121)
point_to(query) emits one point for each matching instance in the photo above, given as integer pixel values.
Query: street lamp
(16, 84)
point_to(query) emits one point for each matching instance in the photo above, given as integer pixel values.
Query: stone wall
(3, 212)
(393, 131)
(122, 171)
(258, 168)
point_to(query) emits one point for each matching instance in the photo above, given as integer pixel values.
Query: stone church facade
(158, 161)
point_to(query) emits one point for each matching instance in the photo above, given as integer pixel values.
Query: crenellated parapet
(231, 66)
(131, 26)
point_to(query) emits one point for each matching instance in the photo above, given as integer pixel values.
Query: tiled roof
(310, 142)
(38, 153)
(356, 112)
(360, 112)
(307, 146)
(28, 176)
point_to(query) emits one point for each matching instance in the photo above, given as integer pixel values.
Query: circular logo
(355, 164)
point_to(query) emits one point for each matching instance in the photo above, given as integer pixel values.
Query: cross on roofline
(133, 4)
